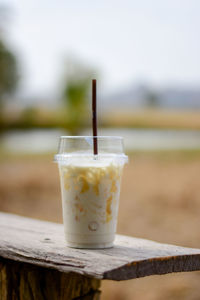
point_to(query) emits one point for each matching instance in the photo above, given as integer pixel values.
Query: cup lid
(82, 146)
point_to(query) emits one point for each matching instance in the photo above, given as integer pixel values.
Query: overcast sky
(128, 41)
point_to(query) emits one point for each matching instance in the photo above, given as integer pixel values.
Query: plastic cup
(90, 188)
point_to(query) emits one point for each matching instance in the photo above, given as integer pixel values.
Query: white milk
(90, 198)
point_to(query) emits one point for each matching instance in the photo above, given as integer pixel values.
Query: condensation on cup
(90, 187)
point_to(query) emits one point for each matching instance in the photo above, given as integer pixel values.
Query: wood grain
(22, 281)
(42, 243)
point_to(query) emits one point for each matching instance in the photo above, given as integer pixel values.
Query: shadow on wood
(22, 281)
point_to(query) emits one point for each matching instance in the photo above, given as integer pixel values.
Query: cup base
(88, 241)
(90, 246)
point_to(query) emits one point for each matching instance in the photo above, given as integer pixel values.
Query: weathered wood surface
(22, 281)
(42, 243)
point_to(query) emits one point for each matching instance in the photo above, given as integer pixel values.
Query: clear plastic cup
(90, 187)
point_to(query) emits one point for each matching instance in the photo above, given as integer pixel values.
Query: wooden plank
(22, 281)
(42, 243)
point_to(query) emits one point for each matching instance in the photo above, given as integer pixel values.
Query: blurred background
(145, 57)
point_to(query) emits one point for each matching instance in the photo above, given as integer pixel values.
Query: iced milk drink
(90, 187)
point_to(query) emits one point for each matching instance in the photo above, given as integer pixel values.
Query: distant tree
(76, 94)
(8, 71)
(152, 99)
(8, 64)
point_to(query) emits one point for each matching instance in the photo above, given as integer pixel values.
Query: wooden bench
(36, 264)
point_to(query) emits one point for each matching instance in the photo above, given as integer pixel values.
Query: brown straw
(94, 116)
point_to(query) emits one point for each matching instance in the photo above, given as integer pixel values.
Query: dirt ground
(160, 200)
